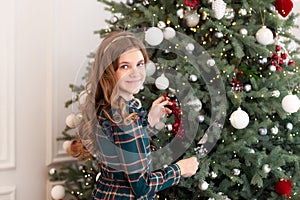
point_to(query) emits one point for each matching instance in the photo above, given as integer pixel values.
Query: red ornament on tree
(192, 3)
(284, 187)
(284, 7)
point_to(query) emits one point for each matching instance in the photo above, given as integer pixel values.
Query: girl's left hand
(158, 110)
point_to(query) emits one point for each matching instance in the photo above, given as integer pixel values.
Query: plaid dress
(124, 156)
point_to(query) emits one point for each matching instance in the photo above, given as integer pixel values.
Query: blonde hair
(102, 90)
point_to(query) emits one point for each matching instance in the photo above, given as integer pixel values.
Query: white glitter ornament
(264, 36)
(154, 36)
(200, 118)
(180, 13)
(219, 8)
(274, 130)
(169, 33)
(192, 19)
(289, 126)
(276, 93)
(219, 34)
(150, 68)
(236, 172)
(290, 103)
(211, 62)
(190, 47)
(58, 192)
(239, 119)
(162, 82)
(193, 78)
(203, 185)
(243, 12)
(196, 104)
(73, 120)
(243, 31)
(272, 68)
(247, 87)
(229, 13)
(266, 168)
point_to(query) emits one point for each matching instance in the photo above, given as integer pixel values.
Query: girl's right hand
(188, 166)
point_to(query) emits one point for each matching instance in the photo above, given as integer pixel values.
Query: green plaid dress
(124, 156)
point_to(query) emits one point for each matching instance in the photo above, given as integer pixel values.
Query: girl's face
(131, 73)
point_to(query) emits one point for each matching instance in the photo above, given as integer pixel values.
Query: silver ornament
(52, 171)
(219, 34)
(266, 168)
(193, 78)
(114, 19)
(203, 185)
(211, 62)
(243, 31)
(247, 87)
(229, 13)
(236, 172)
(289, 126)
(263, 131)
(274, 130)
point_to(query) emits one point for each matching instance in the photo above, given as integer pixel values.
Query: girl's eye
(140, 64)
(124, 66)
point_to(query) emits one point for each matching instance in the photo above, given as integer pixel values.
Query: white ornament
(213, 175)
(272, 68)
(290, 103)
(162, 82)
(274, 130)
(219, 8)
(180, 13)
(196, 104)
(264, 36)
(98, 176)
(229, 13)
(190, 47)
(266, 168)
(169, 33)
(243, 11)
(247, 87)
(200, 118)
(252, 151)
(203, 185)
(192, 19)
(239, 119)
(154, 36)
(150, 68)
(193, 78)
(73, 120)
(66, 145)
(82, 97)
(211, 62)
(52, 171)
(219, 34)
(236, 172)
(289, 126)
(161, 24)
(243, 31)
(58, 192)
(276, 93)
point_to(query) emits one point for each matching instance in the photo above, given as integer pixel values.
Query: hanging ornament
(219, 8)
(229, 13)
(284, 187)
(272, 68)
(146, 3)
(161, 24)
(130, 2)
(162, 82)
(219, 34)
(200, 118)
(283, 7)
(276, 93)
(247, 87)
(52, 171)
(169, 33)
(279, 58)
(150, 68)
(58, 192)
(242, 12)
(203, 185)
(290, 103)
(192, 18)
(180, 13)
(211, 62)
(289, 126)
(196, 104)
(236, 172)
(264, 36)
(266, 168)
(114, 19)
(154, 36)
(190, 47)
(213, 175)
(274, 130)
(193, 78)
(66, 145)
(243, 31)
(236, 85)
(263, 131)
(73, 120)
(192, 3)
(239, 119)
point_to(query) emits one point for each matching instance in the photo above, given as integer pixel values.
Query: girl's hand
(188, 166)
(158, 110)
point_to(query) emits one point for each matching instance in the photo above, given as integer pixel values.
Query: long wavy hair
(102, 89)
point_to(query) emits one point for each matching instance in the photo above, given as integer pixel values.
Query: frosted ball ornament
(190, 47)
(192, 19)
(130, 2)
(180, 12)
(203, 185)
(67, 144)
(243, 12)
(236, 172)
(239, 119)
(58, 192)
(162, 82)
(247, 87)
(154, 36)
(276, 93)
(266, 168)
(219, 8)
(52, 171)
(196, 104)
(73, 120)
(219, 34)
(263, 131)
(290, 103)
(193, 78)
(272, 68)
(211, 62)
(289, 126)
(243, 31)
(264, 36)
(161, 25)
(150, 68)
(229, 13)
(169, 33)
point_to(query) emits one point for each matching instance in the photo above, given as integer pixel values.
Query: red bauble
(278, 68)
(284, 7)
(284, 187)
(192, 3)
(278, 47)
(291, 62)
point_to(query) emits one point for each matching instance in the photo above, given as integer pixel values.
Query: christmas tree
(230, 67)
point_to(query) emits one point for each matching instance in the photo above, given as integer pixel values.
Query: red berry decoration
(284, 7)
(284, 187)
(192, 3)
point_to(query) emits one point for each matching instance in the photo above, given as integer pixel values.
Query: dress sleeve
(133, 149)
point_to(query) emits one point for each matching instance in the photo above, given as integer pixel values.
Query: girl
(115, 127)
